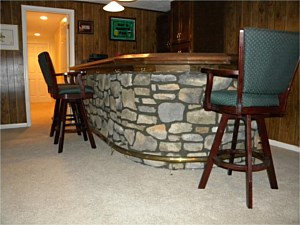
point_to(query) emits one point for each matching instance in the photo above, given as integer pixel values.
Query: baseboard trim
(293, 148)
(15, 125)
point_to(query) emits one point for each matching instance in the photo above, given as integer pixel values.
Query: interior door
(37, 87)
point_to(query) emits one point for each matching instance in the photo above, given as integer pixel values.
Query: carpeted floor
(94, 186)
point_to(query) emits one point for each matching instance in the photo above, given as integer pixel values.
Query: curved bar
(149, 106)
(160, 59)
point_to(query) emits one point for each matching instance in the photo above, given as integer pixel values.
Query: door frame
(71, 53)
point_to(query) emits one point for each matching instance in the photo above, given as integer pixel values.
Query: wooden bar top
(159, 59)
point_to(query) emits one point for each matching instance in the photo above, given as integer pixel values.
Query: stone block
(202, 130)
(144, 119)
(133, 125)
(170, 146)
(129, 134)
(158, 131)
(192, 137)
(164, 96)
(153, 87)
(193, 147)
(193, 79)
(128, 98)
(115, 88)
(168, 87)
(144, 143)
(142, 91)
(142, 80)
(119, 129)
(110, 127)
(190, 95)
(174, 137)
(148, 101)
(163, 78)
(126, 79)
(170, 112)
(201, 117)
(112, 103)
(178, 128)
(129, 115)
(146, 109)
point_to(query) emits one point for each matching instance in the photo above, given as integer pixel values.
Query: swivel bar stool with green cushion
(73, 94)
(268, 64)
(72, 117)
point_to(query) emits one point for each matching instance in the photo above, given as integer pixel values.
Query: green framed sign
(122, 29)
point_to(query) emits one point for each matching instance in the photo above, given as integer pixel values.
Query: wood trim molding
(289, 147)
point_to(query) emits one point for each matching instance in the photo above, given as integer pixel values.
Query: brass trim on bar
(142, 155)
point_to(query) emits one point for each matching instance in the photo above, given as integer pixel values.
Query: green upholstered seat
(73, 89)
(229, 98)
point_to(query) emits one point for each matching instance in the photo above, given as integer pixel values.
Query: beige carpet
(91, 186)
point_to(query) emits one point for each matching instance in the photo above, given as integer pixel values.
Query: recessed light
(43, 17)
(37, 34)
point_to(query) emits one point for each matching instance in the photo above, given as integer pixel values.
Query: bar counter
(149, 106)
(158, 61)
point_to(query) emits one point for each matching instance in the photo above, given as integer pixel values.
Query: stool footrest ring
(227, 153)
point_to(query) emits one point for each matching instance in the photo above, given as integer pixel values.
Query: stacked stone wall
(157, 113)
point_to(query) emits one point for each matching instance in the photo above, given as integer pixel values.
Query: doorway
(54, 34)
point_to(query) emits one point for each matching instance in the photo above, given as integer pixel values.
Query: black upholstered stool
(73, 94)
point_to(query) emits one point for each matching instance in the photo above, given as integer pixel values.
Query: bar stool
(267, 61)
(72, 93)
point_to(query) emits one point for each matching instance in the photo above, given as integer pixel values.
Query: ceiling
(45, 28)
(156, 5)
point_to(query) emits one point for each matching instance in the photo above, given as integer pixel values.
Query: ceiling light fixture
(43, 17)
(113, 6)
(64, 20)
(37, 34)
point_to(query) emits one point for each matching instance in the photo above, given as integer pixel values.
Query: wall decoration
(122, 29)
(85, 27)
(9, 39)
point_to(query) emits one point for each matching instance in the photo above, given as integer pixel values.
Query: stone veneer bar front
(149, 106)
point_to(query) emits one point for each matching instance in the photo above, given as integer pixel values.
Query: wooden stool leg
(76, 117)
(63, 112)
(81, 118)
(85, 123)
(249, 193)
(267, 152)
(57, 126)
(233, 143)
(55, 117)
(213, 152)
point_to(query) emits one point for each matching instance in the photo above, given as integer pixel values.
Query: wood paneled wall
(100, 42)
(12, 75)
(279, 15)
(11, 62)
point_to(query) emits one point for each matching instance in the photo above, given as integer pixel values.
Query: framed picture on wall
(9, 39)
(85, 27)
(122, 29)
